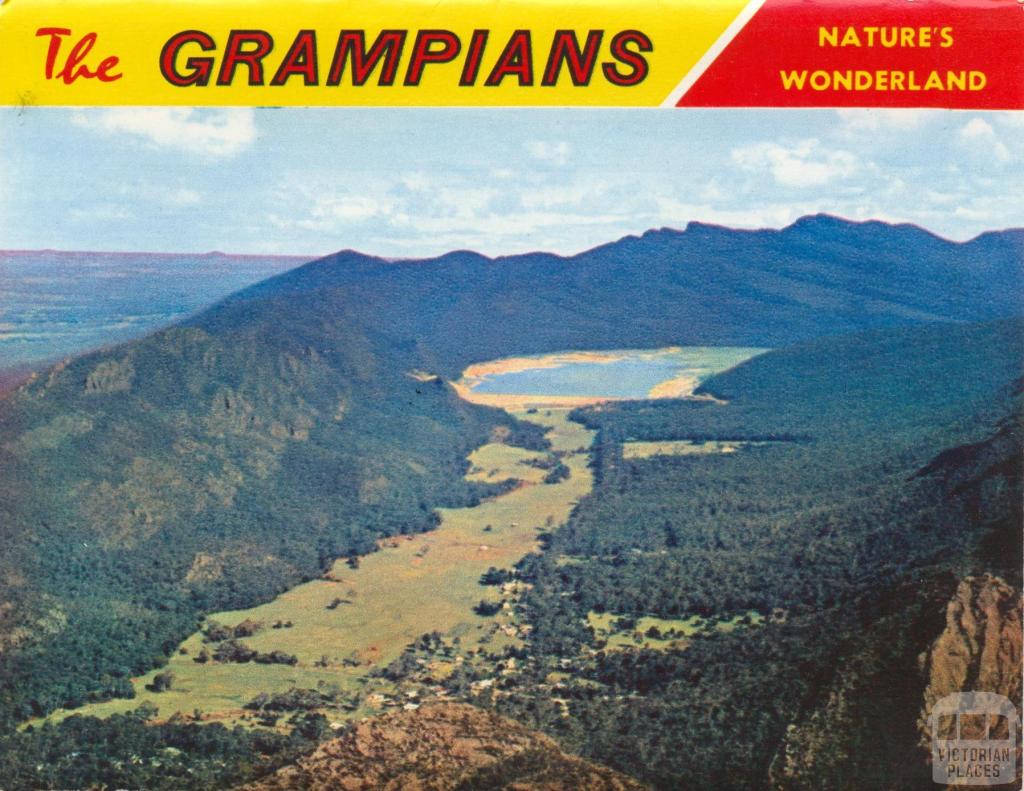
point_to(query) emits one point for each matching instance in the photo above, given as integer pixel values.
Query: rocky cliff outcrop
(980, 648)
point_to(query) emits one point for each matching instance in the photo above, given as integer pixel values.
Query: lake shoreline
(678, 372)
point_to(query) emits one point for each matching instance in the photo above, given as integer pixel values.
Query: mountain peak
(823, 224)
(823, 220)
(701, 227)
(662, 231)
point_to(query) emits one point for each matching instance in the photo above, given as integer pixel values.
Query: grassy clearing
(361, 619)
(651, 632)
(495, 462)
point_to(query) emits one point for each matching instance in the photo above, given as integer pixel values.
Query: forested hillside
(900, 476)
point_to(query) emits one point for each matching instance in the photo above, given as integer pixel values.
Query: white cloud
(971, 213)
(977, 128)
(350, 208)
(465, 201)
(712, 192)
(220, 132)
(985, 212)
(872, 211)
(877, 120)
(165, 195)
(551, 153)
(416, 182)
(104, 212)
(1014, 119)
(979, 135)
(182, 197)
(330, 212)
(895, 186)
(803, 164)
(354, 208)
(940, 198)
(555, 195)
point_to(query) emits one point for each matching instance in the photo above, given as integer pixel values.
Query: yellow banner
(418, 52)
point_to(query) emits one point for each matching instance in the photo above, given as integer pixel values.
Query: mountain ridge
(707, 285)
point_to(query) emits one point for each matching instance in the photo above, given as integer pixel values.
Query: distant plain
(54, 304)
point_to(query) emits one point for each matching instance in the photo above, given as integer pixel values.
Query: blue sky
(412, 182)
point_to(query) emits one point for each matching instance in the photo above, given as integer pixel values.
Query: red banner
(871, 53)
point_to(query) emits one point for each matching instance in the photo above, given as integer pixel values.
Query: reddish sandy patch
(679, 387)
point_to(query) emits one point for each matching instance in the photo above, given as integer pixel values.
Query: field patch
(649, 632)
(495, 462)
(683, 447)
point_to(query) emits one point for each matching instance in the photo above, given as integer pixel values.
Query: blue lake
(632, 376)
